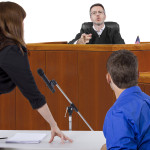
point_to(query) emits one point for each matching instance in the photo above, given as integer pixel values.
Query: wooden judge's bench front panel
(80, 71)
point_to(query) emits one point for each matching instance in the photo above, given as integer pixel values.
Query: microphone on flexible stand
(50, 84)
(72, 107)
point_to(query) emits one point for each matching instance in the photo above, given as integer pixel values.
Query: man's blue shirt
(127, 123)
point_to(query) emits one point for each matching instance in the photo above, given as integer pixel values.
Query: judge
(98, 33)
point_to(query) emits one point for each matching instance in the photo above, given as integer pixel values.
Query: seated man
(127, 123)
(98, 33)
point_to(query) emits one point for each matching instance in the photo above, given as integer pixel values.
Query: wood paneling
(80, 71)
(95, 95)
(144, 77)
(143, 60)
(147, 89)
(62, 66)
(7, 111)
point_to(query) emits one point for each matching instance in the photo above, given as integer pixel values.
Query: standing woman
(14, 64)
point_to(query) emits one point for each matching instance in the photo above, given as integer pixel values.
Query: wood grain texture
(88, 47)
(7, 111)
(144, 77)
(62, 67)
(95, 95)
(80, 71)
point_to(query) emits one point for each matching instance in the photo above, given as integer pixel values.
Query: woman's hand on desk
(55, 131)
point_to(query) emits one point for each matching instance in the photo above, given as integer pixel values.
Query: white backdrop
(60, 20)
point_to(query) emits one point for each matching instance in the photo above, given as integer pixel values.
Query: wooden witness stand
(80, 71)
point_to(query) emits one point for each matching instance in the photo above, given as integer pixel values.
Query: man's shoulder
(131, 103)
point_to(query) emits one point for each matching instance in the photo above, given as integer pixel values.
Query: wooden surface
(61, 42)
(7, 111)
(144, 42)
(88, 47)
(80, 71)
(144, 77)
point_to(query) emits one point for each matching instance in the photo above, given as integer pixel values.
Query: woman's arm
(55, 131)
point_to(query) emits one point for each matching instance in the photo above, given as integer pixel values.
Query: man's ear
(108, 78)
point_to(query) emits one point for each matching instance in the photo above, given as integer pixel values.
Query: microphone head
(40, 72)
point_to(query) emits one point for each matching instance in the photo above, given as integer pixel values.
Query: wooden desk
(144, 42)
(80, 71)
(82, 140)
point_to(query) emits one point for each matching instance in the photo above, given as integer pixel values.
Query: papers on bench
(26, 138)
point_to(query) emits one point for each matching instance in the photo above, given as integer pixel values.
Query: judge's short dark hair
(122, 65)
(97, 4)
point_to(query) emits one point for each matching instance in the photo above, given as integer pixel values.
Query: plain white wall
(60, 20)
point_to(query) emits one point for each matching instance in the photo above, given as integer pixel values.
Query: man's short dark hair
(122, 65)
(97, 4)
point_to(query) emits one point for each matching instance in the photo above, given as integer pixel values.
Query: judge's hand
(55, 131)
(85, 38)
(103, 147)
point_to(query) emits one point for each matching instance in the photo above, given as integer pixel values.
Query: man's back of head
(122, 66)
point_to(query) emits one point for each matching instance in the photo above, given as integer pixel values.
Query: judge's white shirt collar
(101, 30)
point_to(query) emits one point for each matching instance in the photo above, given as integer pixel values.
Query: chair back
(114, 25)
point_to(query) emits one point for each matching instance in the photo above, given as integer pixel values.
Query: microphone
(50, 84)
(72, 107)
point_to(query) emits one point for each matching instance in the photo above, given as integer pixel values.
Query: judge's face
(97, 15)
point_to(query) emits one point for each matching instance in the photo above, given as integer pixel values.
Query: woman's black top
(15, 71)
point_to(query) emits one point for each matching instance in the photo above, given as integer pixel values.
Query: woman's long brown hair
(11, 24)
